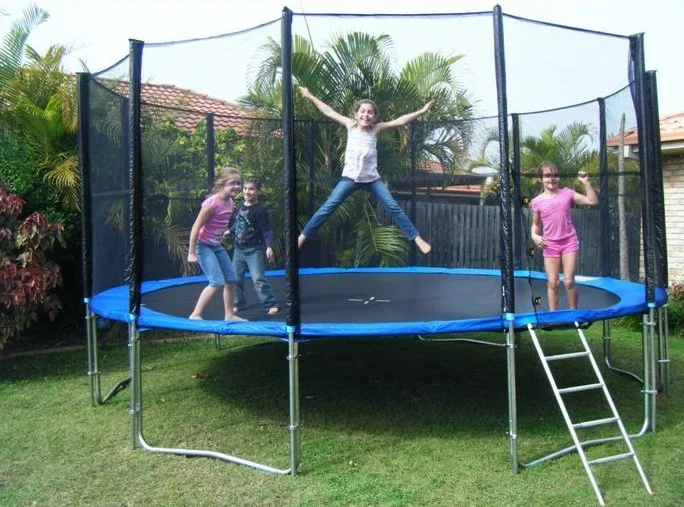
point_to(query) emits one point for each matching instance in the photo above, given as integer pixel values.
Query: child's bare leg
(552, 294)
(571, 292)
(423, 245)
(300, 240)
(552, 267)
(205, 296)
(228, 300)
(569, 269)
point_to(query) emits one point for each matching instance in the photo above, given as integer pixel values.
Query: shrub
(675, 313)
(27, 276)
(675, 308)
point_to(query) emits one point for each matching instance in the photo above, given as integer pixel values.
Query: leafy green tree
(18, 159)
(38, 124)
(40, 102)
(359, 65)
(569, 148)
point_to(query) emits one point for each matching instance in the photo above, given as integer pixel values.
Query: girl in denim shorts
(206, 248)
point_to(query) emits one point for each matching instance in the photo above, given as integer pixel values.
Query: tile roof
(435, 167)
(189, 107)
(671, 130)
(672, 127)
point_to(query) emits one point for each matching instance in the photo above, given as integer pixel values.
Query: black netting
(217, 102)
(109, 185)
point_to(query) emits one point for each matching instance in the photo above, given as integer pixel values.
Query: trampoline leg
(91, 348)
(649, 368)
(512, 398)
(135, 372)
(217, 341)
(663, 350)
(293, 373)
(607, 343)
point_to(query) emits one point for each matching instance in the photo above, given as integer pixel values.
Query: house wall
(673, 186)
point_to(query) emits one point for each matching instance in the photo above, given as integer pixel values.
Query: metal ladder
(572, 427)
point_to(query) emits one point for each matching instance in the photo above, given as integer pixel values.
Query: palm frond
(14, 44)
(383, 245)
(62, 174)
(176, 240)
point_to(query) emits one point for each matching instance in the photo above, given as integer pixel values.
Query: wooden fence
(466, 235)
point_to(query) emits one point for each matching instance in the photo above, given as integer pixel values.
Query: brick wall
(673, 183)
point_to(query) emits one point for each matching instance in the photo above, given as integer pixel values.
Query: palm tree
(39, 98)
(359, 65)
(47, 111)
(570, 149)
(13, 48)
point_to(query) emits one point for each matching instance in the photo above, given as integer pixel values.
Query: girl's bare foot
(300, 240)
(195, 317)
(273, 310)
(423, 245)
(234, 318)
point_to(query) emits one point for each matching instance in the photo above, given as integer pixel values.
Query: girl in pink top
(206, 248)
(551, 212)
(361, 165)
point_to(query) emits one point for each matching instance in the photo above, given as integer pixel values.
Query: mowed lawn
(385, 422)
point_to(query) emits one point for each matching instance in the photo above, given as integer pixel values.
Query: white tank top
(361, 156)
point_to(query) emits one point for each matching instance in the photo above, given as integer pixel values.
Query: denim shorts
(216, 264)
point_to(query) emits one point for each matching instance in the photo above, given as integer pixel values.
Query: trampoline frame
(654, 358)
(646, 105)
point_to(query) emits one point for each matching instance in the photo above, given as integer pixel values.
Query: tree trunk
(624, 255)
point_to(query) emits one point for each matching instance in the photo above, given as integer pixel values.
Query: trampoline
(153, 131)
(379, 301)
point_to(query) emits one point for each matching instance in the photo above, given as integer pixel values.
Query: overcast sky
(99, 30)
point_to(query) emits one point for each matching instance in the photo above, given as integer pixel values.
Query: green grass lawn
(385, 422)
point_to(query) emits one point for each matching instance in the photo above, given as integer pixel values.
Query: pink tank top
(211, 233)
(555, 214)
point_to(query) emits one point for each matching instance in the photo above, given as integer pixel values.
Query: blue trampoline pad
(380, 301)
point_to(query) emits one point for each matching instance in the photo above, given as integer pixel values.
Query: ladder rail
(572, 427)
(566, 415)
(613, 408)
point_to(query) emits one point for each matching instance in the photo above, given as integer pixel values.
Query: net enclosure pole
(506, 236)
(292, 252)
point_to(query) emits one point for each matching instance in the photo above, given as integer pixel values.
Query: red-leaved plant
(27, 276)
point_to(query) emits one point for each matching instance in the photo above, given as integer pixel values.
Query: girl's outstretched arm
(589, 198)
(404, 119)
(325, 108)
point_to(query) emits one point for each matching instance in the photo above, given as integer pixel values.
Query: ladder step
(596, 422)
(609, 459)
(569, 355)
(576, 389)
